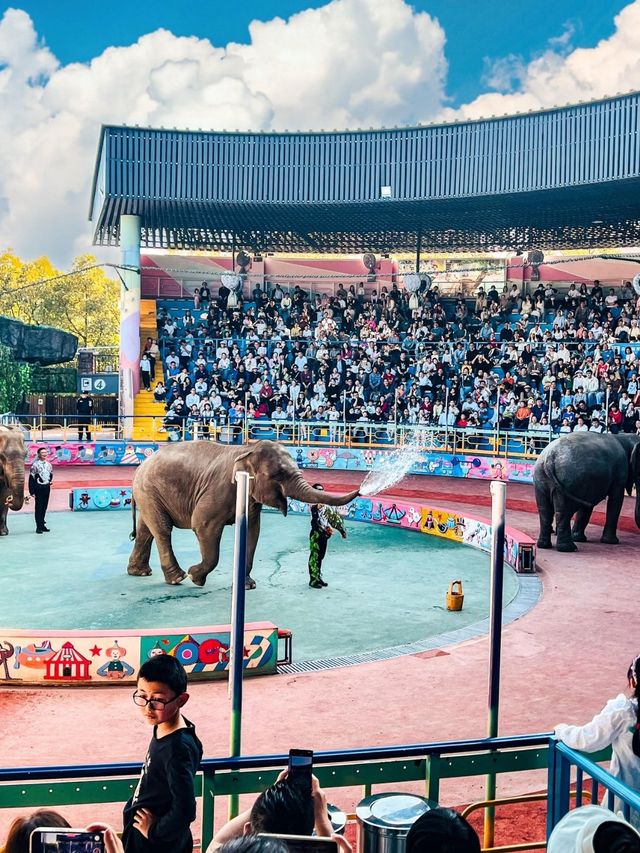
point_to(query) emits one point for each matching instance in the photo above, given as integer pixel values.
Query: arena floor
(386, 587)
(561, 662)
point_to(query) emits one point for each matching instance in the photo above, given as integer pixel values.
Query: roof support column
(418, 250)
(129, 320)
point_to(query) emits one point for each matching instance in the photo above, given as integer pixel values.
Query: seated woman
(160, 392)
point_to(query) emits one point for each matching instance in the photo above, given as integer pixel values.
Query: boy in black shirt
(158, 815)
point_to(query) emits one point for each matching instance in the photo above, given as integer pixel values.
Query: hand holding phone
(54, 839)
(300, 766)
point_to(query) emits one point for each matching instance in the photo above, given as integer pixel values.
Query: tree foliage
(14, 381)
(83, 303)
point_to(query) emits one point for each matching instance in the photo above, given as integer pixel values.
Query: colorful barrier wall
(470, 466)
(83, 657)
(519, 549)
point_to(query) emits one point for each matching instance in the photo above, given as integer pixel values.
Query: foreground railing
(428, 764)
(562, 762)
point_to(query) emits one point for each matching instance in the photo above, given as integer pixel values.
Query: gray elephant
(193, 485)
(576, 472)
(12, 455)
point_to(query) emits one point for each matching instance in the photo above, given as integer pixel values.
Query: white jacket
(575, 832)
(613, 726)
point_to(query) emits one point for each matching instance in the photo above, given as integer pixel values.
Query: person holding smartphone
(285, 808)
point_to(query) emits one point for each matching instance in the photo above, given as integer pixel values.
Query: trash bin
(338, 818)
(384, 821)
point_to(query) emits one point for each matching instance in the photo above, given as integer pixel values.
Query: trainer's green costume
(323, 519)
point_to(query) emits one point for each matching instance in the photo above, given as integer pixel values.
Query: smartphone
(54, 839)
(300, 766)
(305, 843)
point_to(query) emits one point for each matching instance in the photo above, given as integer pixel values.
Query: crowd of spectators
(534, 360)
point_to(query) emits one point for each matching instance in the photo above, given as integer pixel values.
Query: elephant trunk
(14, 475)
(300, 490)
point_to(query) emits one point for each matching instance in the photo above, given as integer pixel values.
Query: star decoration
(95, 651)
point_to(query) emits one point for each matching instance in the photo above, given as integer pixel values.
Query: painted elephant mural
(193, 485)
(575, 473)
(12, 455)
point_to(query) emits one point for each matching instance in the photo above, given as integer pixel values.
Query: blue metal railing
(561, 760)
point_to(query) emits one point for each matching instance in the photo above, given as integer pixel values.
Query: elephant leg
(583, 516)
(614, 507)
(160, 525)
(209, 535)
(254, 535)
(564, 512)
(545, 514)
(139, 559)
(4, 530)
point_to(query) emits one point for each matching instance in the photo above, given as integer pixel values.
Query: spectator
(285, 808)
(618, 726)
(163, 806)
(20, 830)
(593, 829)
(442, 830)
(145, 372)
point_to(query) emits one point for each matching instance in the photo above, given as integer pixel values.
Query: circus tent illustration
(67, 665)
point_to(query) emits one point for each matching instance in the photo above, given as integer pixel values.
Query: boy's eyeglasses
(154, 704)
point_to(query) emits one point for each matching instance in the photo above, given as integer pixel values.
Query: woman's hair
(633, 677)
(442, 831)
(22, 827)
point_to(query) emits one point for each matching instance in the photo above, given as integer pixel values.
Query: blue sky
(66, 68)
(478, 32)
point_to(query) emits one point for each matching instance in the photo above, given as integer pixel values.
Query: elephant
(193, 485)
(12, 456)
(576, 472)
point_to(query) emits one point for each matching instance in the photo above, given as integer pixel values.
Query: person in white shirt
(617, 726)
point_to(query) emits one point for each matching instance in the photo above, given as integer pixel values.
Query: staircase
(146, 429)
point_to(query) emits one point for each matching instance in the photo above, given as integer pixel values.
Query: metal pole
(549, 413)
(418, 251)
(606, 410)
(236, 668)
(498, 505)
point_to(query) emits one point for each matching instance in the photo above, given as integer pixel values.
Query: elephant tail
(132, 535)
(558, 485)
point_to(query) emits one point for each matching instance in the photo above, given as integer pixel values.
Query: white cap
(575, 832)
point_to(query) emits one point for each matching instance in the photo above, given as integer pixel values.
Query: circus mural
(83, 657)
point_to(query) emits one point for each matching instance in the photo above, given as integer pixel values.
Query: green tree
(14, 380)
(83, 303)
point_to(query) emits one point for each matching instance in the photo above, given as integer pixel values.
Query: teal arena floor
(386, 587)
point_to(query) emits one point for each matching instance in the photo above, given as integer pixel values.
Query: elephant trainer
(193, 485)
(576, 472)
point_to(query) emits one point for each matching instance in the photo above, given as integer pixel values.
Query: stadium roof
(562, 178)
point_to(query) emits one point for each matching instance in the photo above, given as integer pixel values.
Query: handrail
(248, 762)
(561, 759)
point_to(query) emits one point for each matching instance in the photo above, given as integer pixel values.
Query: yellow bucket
(455, 597)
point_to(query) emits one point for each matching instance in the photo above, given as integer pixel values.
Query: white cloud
(347, 64)
(562, 75)
(350, 63)
(505, 73)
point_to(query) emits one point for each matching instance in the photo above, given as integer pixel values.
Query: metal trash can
(338, 818)
(384, 821)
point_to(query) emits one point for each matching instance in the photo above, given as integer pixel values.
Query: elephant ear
(633, 477)
(243, 463)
